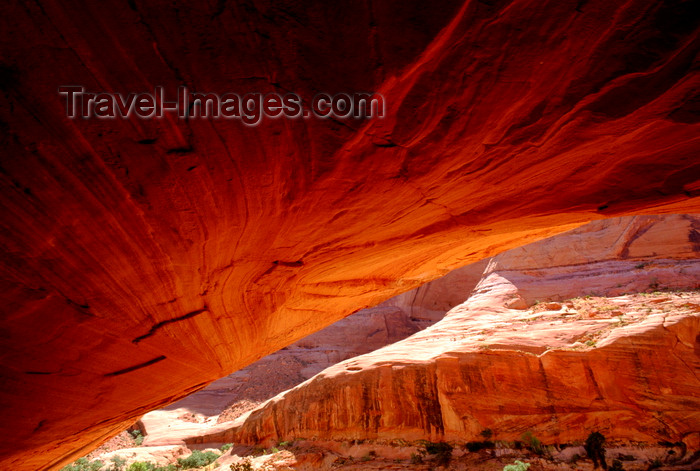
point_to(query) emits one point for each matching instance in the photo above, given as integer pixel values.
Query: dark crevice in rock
(39, 425)
(160, 325)
(298, 263)
(180, 150)
(78, 305)
(147, 141)
(137, 367)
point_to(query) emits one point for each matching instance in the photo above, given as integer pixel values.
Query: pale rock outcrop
(360, 333)
(363, 332)
(625, 365)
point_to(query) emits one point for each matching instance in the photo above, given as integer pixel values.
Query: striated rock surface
(142, 259)
(363, 332)
(626, 365)
(428, 303)
(360, 333)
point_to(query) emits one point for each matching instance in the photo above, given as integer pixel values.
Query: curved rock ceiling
(142, 259)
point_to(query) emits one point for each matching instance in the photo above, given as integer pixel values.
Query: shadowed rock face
(142, 259)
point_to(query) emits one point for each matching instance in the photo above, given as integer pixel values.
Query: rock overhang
(504, 125)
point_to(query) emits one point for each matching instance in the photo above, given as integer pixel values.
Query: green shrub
(473, 447)
(369, 456)
(118, 463)
(617, 466)
(141, 466)
(83, 464)
(517, 466)
(197, 459)
(258, 450)
(442, 452)
(532, 442)
(226, 447)
(245, 466)
(148, 466)
(137, 436)
(594, 449)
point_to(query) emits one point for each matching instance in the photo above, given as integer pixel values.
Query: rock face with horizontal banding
(142, 259)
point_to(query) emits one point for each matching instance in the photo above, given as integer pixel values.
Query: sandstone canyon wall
(243, 390)
(362, 332)
(142, 259)
(625, 365)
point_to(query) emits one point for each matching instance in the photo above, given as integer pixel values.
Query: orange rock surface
(625, 365)
(243, 390)
(142, 259)
(365, 331)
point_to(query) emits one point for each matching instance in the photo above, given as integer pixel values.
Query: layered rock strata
(625, 365)
(143, 259)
